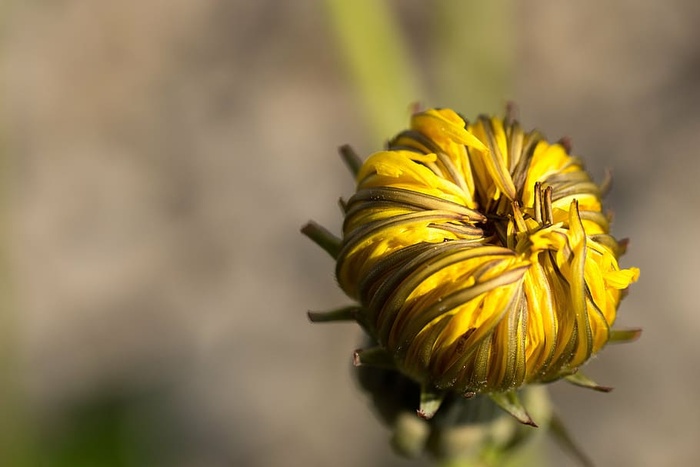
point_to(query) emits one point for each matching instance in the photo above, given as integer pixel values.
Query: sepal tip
(323, 238)
(375, 357)
(621, 336)
(430, 401)
(579, 379)
(348, 313)
(510, 402)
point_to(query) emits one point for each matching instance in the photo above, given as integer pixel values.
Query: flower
(480, 258)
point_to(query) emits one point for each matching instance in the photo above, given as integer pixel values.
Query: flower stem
(474, 49)
(15, 434)
(377, 62)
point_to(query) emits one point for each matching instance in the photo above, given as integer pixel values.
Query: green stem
(377, 62)
(474, 52)
(15, 433)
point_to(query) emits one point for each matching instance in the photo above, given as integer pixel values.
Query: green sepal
(430, 401)
(351, 159)
(347, 313)
(579, 379)
(621, 336)
(323, 238)
(510, 402)
(376, 357)
(562, 436)
(606, 184)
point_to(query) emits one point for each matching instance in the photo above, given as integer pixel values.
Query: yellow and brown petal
(480, 257)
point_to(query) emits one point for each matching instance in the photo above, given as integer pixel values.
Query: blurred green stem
(15, 438)
(474, 54)
(377, 61)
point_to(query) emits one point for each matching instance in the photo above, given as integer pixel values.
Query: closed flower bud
(480, 259)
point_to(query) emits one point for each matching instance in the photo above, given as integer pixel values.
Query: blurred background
(159, 157)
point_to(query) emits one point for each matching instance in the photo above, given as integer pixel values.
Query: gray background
(162, 156)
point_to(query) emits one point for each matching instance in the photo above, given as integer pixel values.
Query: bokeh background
(159, 157)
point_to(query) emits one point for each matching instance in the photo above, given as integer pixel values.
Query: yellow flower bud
(480, 258)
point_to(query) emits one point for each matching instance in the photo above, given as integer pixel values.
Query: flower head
(481, 259)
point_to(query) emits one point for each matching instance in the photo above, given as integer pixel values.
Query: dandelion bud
(480, 259)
